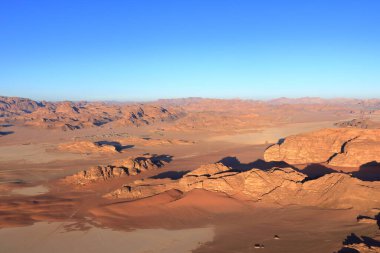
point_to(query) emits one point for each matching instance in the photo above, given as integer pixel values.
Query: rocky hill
(344, 147)
(76, 115)
(217, 115)
(126, 167)
(15, 106)
(283, 186)
(365, 123)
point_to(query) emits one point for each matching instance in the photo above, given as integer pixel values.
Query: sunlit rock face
(126, 167)
(343, 147)
(284, 186)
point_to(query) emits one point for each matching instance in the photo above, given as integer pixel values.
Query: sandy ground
(42, 216)
(52, 237)
(273, 134)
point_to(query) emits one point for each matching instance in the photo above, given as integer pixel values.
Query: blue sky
(148, 49)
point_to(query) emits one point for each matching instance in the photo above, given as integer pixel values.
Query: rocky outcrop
(85, 147)
(359, 123)
(339, 147)
(282, 186)
(362, 244)
(126, 167)
(362, 150)
(360, 248)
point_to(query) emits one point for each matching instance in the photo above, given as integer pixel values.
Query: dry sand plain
(40, 213)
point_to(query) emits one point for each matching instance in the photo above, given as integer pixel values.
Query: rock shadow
(347, 250)
(235, 164)
(163, 158)
(3, 133)
(377, 217)
(354, 239)
(174, 175)
(368, 172)
(6, 125)
(116, 144)
(316, 170)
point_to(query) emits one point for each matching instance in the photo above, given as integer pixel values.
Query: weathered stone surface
(340, 147)
(283, 186)
(362, 150)
(126, 167)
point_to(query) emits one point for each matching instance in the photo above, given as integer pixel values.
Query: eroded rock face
(126, 167)
(339, 147)
(362, 150)
(283, 186)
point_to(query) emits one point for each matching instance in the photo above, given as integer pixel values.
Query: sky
(149, 49)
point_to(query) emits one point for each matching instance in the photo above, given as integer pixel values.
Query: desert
(260, 186)
(191, 126)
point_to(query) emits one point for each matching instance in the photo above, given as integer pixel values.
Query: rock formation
(360, 248)
(14, 106)
(85, 147)
(363, 244)
(126, 167)
(189, 114)
(359, 123)
(282, 186)
(76, 115)
(339, 147)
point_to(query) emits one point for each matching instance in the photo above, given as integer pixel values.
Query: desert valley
(190, 175)
(190, 126)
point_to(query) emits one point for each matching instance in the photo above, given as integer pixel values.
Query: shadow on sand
(235, 164)
(162, 158)
(368, 172)
(116, 144)
(316, 170)
(312, 171)
(3, 133)
(6, 125)
(174, 175)
(354, 239)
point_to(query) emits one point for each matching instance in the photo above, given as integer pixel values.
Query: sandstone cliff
(339, 147)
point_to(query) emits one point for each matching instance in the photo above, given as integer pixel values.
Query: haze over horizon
(146, 50)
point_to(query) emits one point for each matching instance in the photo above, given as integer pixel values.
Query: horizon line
(190, 97)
